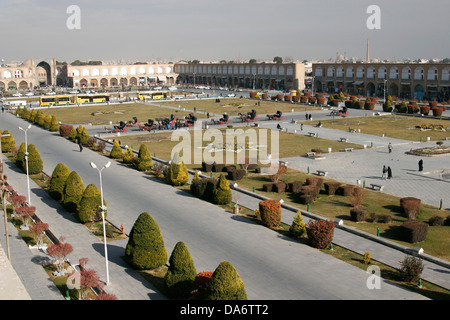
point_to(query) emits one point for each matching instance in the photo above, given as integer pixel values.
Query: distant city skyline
(212, 30)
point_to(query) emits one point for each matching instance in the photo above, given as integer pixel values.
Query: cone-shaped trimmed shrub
(144, 161)
(54, 125)
(145, 248)
(222, 193)
(47, 121)
(20, 156)
(32, 115)
(116, 151)
(8, 143)
(35, 164)
(90, 204)
(225, 284)
(177, 174)
(73, 191)
(298, 227)
(58, 181)
(128, 156)
(181, 273)
(73, 134)
(82, 135)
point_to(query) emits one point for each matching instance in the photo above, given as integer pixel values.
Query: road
(272, 267)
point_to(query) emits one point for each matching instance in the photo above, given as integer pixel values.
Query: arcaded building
(118, 75)
(27, 75)
(266, 76)
(404, 80)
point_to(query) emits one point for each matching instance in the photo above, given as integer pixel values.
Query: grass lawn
(234, 106)
(103, 114)
(289, 144)
(395, 126)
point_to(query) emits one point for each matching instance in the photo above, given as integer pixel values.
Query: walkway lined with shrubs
(271, 267)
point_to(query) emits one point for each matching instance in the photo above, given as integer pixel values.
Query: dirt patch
(152, 138)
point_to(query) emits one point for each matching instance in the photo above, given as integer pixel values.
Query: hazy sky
(222, 30)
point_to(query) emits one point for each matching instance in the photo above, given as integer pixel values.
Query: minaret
(367, 53)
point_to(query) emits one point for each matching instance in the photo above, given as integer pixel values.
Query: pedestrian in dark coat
(421, 165)
(384, 173)
(389, 173)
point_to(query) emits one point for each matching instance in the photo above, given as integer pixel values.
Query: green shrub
(320, 233)
(58, 181)
(436, 221)
(204, 188)
(225, 284)
(177, 174)
(116, 151)
(222, 192)
(181, 273)
(144, 161)
(270, 211)
(411, 268)
(145, 248)
(298, 227)
(35, 164)
(358, 213)
(54, 125)
(47, 121)
(73, 192)
(88, 209)
(73, 134)
(82, 135)
(128, 156)
(8, 143)
(20, 156)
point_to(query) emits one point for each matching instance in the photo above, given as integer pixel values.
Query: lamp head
(108, 164)
(93, 165)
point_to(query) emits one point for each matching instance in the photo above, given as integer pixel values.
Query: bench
(348, 149)
(322, 173)
(343, 140)
(377, 187)
(312, 134)
(310, 154)
(351, 130)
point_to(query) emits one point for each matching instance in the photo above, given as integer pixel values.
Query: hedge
(414, 231)
(144, 160)
(410, 207)
(225, 284)
(73, 192)
(181, 273)
(89, 205)
(270, 211)
(58, 181)
(320, 233)
(222, 192)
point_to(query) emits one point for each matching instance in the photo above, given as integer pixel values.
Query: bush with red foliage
(424, 110)
(437, 111)
(414, 231)
(65, 129)
(312, 100)
(270, 211)
(288, 98)
(410, 207)
(331, 187)
(321, 101)
(320, 233)
(413, 108)
(201, 281)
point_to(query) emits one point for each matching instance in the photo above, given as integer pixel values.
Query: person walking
(301, 127)
(310, 116)
(390, 147)
(306, 116)
(389, 172)
(80, 144)
(384, 173)
(421, 165)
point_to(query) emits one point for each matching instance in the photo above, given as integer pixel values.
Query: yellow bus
(153, 95)
(92, 98)
(56, 100)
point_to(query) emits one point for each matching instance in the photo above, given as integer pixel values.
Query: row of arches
(392, 73)
(116, 71)
(119, 81)
(13, 85)
(219, 69)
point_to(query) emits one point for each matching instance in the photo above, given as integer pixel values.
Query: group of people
(387, 173)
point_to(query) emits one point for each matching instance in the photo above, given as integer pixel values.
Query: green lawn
(234, 106)
(289, 144)
(103, 114)
(395, 126)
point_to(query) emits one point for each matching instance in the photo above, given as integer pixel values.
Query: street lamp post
(26, 160)
(3, 192)
(102, 209)
(384, 91)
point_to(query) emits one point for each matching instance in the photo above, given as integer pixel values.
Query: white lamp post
(26, 160)
(102, 208)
